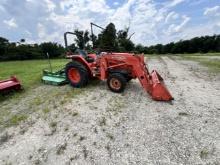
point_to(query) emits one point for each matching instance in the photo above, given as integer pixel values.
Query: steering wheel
(82, 53)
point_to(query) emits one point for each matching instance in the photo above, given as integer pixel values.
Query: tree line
(108, 40)
(204, 44)
(21, 51)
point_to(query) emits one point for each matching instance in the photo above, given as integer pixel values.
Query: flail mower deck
(10, 84)
(53, 78)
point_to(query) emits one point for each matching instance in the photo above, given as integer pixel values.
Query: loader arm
(152, 82)
(143, 76)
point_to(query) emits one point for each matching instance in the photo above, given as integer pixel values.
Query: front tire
(128, 78)
(76, 74)
(116, 82)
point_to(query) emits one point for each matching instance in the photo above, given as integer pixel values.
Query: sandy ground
(101, 127)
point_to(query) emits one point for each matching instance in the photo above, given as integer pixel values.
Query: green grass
(210, 60)
(53, 124)
(28, 72)
(46, 110)
(16, 119)
(202, 54)
(187, 54)
(212, 64)
(204, 154)
(45, 100)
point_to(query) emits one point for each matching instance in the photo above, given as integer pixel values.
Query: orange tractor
(116, 68)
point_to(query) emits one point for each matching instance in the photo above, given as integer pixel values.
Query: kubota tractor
(117, 69)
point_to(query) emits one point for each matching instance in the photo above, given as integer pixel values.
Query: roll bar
(92, 24)
(65, 38)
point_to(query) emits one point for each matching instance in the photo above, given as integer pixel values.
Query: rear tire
(128, 78)
(116, 82)
(76, 74)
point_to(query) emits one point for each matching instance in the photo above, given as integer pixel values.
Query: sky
(152, 21)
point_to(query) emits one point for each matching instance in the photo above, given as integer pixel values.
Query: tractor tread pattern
(121, 78)
(82, 71)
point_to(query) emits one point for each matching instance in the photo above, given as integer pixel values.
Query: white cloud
(200, 30)
(197, 2)
(41, 30)
(153, 22)
(116, 3)
(44, 36)
(65, 4)
(79, 14)
(2, 8)
(11, 23)
(122, 15)
(175, 2)
(176, 28)
(50, 5)
(171, 16)
(145, 19)
(28, 33)
(213, 16)
(213, 11)
(185, 21)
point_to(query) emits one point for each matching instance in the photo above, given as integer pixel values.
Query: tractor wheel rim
(115, 83)
(74, 75)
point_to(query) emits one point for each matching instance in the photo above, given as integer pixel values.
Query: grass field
(76, 125)
(28, 72)
(212, 63)
(36, 97)
(209, 60)
(201, 54)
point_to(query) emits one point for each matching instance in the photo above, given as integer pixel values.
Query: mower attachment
(159, 91)
(10, 84)
(54, 78)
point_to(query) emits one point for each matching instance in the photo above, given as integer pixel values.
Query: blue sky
(153, 21)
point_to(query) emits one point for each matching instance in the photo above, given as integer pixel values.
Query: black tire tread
(121, 78)
(83, 73)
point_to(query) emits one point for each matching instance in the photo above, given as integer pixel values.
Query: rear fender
(81, 60)
(121, 71)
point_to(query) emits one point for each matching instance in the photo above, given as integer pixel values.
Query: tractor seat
(89, 59)
(85, 55)
(82, 53)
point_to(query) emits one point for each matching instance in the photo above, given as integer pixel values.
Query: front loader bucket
(159, 91)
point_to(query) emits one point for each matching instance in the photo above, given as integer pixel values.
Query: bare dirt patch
(101, 127)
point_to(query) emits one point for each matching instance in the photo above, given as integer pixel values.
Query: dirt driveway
(100, 127)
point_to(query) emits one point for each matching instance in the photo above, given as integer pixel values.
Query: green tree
(54, 49)
(72, 47)
(124, 42)
(158, 49)
(108, 39)
(82, 38)
(3, 47)
(140, 48)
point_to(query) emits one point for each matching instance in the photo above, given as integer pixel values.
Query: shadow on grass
(13, 94)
